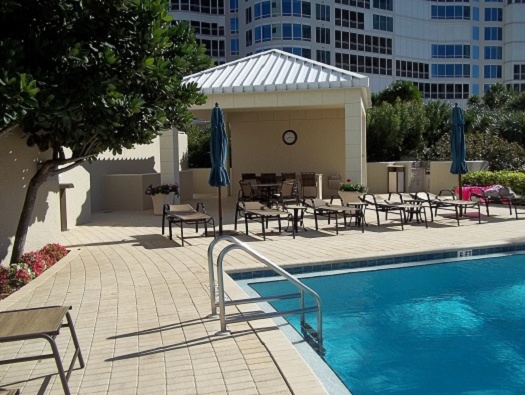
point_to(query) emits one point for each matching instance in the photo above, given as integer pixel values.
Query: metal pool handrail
(308, 332)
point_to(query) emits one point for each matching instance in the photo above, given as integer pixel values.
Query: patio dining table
(267, 190)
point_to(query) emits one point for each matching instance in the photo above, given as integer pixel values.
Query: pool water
(456, 328)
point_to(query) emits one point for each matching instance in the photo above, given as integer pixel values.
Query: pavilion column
(355, 137)
(173, 148)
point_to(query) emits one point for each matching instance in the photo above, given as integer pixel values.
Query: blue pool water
(456, 328)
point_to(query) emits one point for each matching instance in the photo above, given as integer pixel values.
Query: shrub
(35, 262)
(52, 253)
(512, 179)
(31, 265)
(19, 274)
(4, 286)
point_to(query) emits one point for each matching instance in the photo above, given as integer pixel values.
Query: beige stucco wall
(127, 191)
(19, 163)
(140, 160)
(257, 144)
(78, 198)
(440, 177)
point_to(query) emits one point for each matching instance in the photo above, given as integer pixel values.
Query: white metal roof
(274, 70)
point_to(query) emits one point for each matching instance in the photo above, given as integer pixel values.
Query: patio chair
(255, 211)
(41, 323)
(287, 195)
(248, 176)
(185, 214)
(333, 184)
(325, 209)
(246, 193)
(268, 178)
(288, 176)
(308, 186)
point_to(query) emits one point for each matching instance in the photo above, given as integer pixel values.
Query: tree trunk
(27, 211)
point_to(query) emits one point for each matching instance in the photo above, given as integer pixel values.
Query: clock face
(289, 137)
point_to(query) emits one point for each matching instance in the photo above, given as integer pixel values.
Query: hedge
(512, 179)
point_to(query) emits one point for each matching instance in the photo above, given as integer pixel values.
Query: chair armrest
(445, 192)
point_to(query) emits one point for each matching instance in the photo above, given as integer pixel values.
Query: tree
(402, 90)
(199, 146)
(92, 76)
(395, 130)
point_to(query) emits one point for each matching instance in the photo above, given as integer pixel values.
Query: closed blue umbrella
(457, 145)
(218, 151)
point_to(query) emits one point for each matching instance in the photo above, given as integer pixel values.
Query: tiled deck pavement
(140, 303)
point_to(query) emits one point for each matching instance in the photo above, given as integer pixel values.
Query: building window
(363, 43)
(493, 14)
(475, 33)
(234, 44)
(323, 56)
(363, 64)
(322, 12)
(322, 35)
(456, 51)
(304, 52)
(450, 12)
(296, 8)
(352, 19)
(355, 3)
(234, 25)
(248, 14)
(262, 9)
(493, 33)
(234, 5)
(519, 71)
(443, 91)
(492, 71)
(249, 38)
(381, 22)
(450, 70)
(384, 4)
(492, 52)
(407, 69)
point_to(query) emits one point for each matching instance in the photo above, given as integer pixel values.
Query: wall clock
(289, 137)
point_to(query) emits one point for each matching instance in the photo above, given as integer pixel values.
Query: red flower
(348, 180)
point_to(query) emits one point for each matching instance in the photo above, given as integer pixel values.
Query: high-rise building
(449, 48)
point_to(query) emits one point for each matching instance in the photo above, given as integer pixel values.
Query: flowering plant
(164, 189)
(348, 186)
(31, 265)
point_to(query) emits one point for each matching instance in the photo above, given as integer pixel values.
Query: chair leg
(182, 233)
(315, 217)
(264, 230)
(170, 223)
(58, 362)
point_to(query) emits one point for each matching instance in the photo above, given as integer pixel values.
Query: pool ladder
(313, 337)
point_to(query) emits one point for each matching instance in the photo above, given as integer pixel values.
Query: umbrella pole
(220, 211)
(460, 187)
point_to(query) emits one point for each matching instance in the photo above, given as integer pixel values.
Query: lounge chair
(41, 323)
(325, 209)
(186, 214)
(379, 204)
(501, 195)
(433, 201)
(255, 211)
(246, 192)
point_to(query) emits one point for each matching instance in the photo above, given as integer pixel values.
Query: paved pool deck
(140, 302)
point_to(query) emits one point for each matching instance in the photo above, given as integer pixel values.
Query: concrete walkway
(141, 302)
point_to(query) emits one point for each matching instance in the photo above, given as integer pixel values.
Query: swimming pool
(454, 328)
